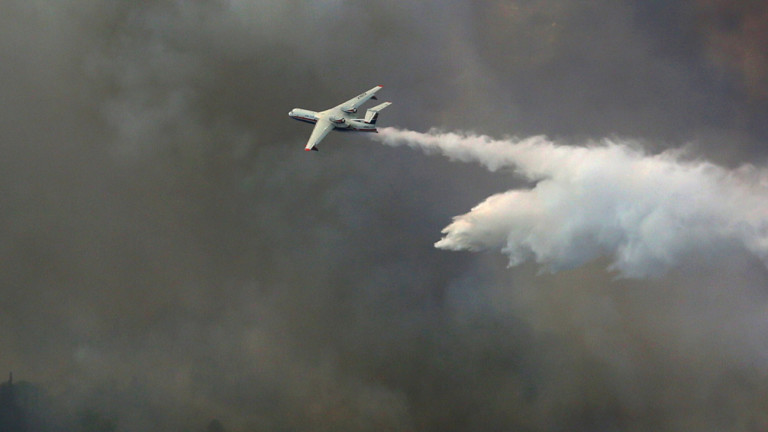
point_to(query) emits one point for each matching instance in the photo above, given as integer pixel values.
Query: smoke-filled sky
(169, 254)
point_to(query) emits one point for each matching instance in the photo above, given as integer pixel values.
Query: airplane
(340, 118)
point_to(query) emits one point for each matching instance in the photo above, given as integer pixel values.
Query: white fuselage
(340, 119)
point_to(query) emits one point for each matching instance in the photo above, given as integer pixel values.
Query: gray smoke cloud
(647, 212)
(169, 254)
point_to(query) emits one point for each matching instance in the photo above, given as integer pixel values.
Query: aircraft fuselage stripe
(349, 129)
(305, 119)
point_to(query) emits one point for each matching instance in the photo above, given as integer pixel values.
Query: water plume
(609, 198)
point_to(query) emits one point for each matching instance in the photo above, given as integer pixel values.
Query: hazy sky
(169, 254)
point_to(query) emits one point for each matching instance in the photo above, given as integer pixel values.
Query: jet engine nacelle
(337, 119)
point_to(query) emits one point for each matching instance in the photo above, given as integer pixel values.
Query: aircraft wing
(351, 105)
(322, 127)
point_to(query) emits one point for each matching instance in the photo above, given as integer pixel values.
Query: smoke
(169, 255)
(646, 212)
(736, 34)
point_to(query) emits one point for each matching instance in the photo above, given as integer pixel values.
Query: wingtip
(379, 85)
(306, 149)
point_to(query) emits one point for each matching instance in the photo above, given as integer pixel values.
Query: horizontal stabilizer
(373, 113)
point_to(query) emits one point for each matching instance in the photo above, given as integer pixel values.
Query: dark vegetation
(26, 407)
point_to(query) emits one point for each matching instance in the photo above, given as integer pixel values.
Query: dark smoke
(169, 256)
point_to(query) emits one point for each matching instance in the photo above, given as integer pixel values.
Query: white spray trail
(647, 212)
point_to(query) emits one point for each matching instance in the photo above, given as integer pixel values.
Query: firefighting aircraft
(340, 118)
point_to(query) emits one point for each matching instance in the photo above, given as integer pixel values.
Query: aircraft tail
(373, 113)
